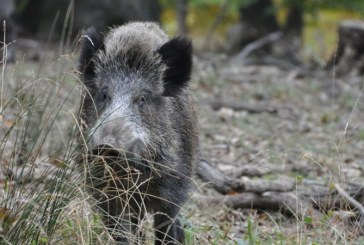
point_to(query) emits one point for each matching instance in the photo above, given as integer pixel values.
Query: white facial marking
(119, 110)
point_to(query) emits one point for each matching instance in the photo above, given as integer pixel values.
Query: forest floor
(303, 125)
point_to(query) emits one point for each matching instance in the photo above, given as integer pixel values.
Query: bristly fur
(91, 42)
(137, 47)
(140, 127)
(177, 55)
(131, 49)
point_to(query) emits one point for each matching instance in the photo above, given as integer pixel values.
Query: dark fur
(145, 128)
(177, 55)
(88, 50)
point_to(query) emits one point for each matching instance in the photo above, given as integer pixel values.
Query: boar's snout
(112, 152)
(119, 159)
(105, 150)
(132, 149)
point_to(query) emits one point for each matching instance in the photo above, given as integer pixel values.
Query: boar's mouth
(118, 159)
(106, 151)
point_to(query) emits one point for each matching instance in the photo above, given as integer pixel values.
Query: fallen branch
(215, 177)
(282, 194)
(256, 170)
(225, 184)
(261, 185)
(239, 106)
(326, 197)
(248, 49)
(351, 201)
(287, 203)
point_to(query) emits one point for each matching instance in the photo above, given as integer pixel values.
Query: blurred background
(305, 29)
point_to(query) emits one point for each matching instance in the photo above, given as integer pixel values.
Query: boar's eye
(142, 102)
(102, 98)
(104, 94)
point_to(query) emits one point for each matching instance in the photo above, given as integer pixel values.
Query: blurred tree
(294, 24)
(43, 17)
(181, 12)
(258, 18)
(350, 5)
(265, 21)
(349, 56)
(8, 30)
(294, 20)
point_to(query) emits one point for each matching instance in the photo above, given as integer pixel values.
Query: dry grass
(317, 134)
(45, 195)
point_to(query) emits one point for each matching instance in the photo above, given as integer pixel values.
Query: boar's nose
(108, 150)
(116, 157)
(135, 148)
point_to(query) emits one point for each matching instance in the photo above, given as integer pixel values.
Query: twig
(4, 57)
(353, 203)
(225, 184)
(287, 203)
(256, 170)
(218, 179)
(248, 49)
(261, 185)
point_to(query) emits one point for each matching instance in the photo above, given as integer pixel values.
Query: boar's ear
(177, 55)
(91, 42)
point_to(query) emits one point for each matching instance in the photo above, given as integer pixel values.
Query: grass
(43, 198)
(43, 193)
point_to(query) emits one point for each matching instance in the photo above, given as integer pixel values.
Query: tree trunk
(349, 56)
(257, 19)
(260, 16)
(40, 17)
(181, 12)
(294, 26)
(294, 20)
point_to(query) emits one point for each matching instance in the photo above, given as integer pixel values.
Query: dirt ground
(305, 125)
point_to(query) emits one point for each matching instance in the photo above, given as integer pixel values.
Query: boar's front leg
(168, 229)
(123, 227)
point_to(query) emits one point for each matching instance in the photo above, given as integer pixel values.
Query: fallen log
(260, 185)
(286, 203)
(226, 184)
(256, 170)
(216, 178)
(282, 194)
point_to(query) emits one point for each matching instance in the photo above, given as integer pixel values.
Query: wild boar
(139, 126)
